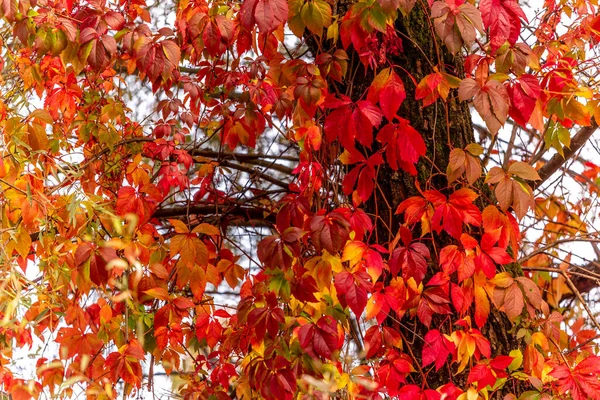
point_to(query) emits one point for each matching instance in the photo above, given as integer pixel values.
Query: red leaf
(412, 260)
(267, 14)
(495, 219)
(352, 290)
(427, 89)
(126, 363)
(503, 19)
(483, 375)
(385, 299)
(413, 208)
(360, 223)
(321, 339)
(73, 341)
(115, 20)
(523, 98)
(370, 112)
(582, 381)
(304, 288)
(450, 214)
(491, 254)
(414, 392)
(130, 201)
(364, 173)
(404, 145)
(433, 301)
(373, 341)
(436, 349)
(501, 362)
(277, 251)
(8, 9)
(351, 121)
(329, 232)
(451, 258)
(103, 49)
(393, 371)
(366, 117)
(266, 320)
(388, 89)
(491, 101)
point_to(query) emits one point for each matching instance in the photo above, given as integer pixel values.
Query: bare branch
(223, 210)
(242, 157)
(557, 160)
(255, 172)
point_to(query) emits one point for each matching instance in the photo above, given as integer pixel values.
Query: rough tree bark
(442, 129)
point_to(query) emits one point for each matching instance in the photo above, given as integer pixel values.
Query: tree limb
(224, 210)
(580, 138)
(242, 157)
(255, 172)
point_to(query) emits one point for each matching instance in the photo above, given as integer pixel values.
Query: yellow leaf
(190, 248)
(179, 226)
(206, 229)
(353, 252)
(538, 338)
(503, 280)
(158, 293)
(23, 242)
(333, 32)
(517, 356)
(334, 261)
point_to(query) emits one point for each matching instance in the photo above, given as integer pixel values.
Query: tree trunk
(443, 128)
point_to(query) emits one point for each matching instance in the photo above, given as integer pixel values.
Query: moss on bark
(442, 129)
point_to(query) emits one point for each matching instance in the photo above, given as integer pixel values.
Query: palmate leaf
(351, 122)
(74, 341)
(98, 49)
(502, 19)
(388, 89)
(404, 145)
(190, 248)
(523, 98)
(321, 339)
(465, 162)
(363, 175)
(456, 24)
(316, 15)
(353, 290)
(126, 363)
(330, 232)
(450, 213)
(394, 370)
(511, 192)
(436, 349)
(434, 300)
(581, 382)
(491, 101)
(267, 14)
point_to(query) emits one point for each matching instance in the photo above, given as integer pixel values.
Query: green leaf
(378, 19)
(557, 137)
(295, 22)
(517, 360)
(475, 149)
(316, 15)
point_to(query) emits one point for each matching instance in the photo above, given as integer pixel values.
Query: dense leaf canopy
(282, 199)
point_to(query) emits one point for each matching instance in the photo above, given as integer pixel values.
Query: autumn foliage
(199, 188)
